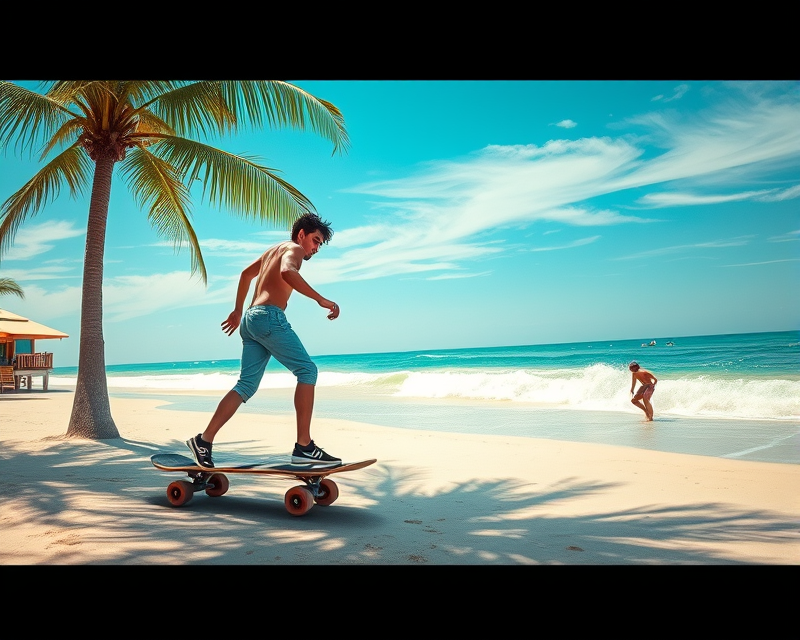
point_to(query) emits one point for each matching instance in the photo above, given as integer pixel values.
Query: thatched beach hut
(18, 336)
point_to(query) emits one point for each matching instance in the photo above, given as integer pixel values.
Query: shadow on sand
(77, 488)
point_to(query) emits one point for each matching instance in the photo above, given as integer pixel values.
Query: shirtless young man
(648, 385)
(265, 332)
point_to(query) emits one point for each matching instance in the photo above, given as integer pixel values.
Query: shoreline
(743, 439)
(433, 498)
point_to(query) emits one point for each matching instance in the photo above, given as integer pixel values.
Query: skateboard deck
(317, 487)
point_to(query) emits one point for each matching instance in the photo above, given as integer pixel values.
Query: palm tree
(9, 285)
(148, 127)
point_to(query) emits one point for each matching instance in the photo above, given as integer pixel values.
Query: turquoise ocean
(733, 396)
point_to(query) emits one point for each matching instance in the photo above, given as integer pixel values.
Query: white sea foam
(603, 388)
(225, 382)
(595, 388)
(197, 382)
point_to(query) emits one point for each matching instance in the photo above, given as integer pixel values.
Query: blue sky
(468, 214)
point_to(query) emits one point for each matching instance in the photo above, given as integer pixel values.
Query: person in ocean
(648, 385)
(265, 332)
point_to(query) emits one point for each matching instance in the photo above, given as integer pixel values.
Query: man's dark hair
(311, 222)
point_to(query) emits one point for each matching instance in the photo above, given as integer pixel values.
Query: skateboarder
(265, 333)
(648, 385)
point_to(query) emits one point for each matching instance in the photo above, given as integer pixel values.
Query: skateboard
(317, 487)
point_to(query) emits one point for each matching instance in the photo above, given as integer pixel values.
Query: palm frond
(72, 167)
(228, 105)
(67, 133)
(135, 91)
(284, 104)
(194, 108)
(151, 123)
(155, 185)
(64, 90)
(9, 285)
(236, 183)
(28, 117)
(140, 92)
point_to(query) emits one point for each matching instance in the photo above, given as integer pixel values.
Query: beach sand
(433, 498)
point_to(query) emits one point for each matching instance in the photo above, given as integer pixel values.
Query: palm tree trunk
(91, 411)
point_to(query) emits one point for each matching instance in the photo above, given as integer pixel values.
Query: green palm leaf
(10, 286)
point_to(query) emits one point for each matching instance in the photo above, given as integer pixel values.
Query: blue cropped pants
(265, 333)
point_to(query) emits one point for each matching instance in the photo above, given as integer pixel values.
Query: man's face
(310, 242)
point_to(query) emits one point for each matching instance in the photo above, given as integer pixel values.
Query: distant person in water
(648, 385)
(266, 332)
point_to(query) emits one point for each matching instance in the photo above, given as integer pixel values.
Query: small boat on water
(670, 344)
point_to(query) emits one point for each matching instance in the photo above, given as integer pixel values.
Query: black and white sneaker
(201, 450)
(311, 453)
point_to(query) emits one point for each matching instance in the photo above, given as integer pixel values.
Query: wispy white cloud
(754, 264)
(43, 304)
(501, 186)
(585, 217)
(53, 272)
(677, 199)
(128, 297)
(358, 236)
(677, 93)
(713, 244)
(567, 124)
(571, 245)
(776, 195)
(452, 276)
(658, 200)
(404, 253)
(734, 141)
(31, 241)
(217, 246)
(786, 237)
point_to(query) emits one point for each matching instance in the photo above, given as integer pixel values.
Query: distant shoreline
(754, 440)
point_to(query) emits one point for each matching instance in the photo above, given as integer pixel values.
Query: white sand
(435, 498)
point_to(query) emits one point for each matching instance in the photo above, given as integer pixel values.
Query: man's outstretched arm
(291, 261)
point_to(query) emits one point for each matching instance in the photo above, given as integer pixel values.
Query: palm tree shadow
(383, 516)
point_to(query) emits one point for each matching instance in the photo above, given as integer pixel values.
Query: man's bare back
(644, 376)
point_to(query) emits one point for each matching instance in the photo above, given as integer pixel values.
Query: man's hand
(232, 322)
(328, 304)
